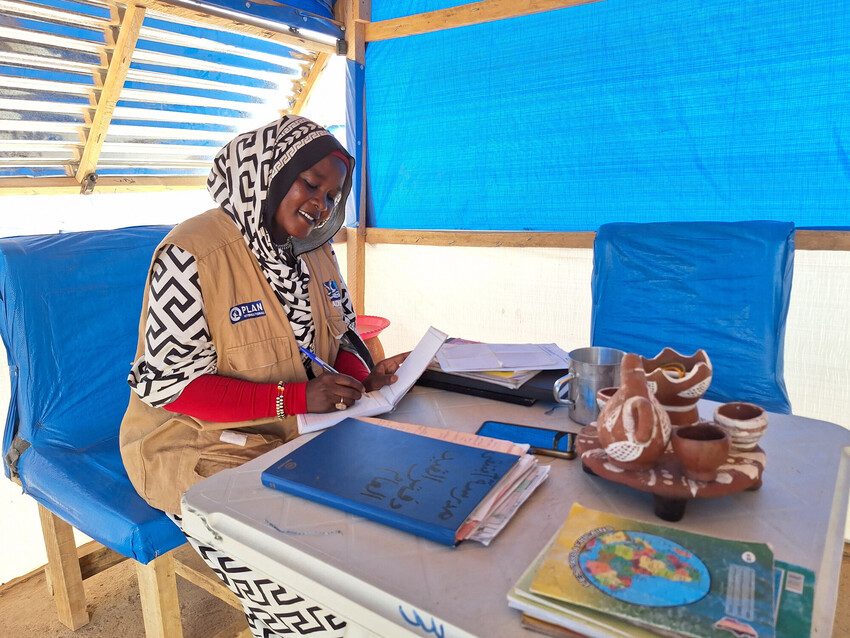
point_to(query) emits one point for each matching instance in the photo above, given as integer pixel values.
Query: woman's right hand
(328, 389)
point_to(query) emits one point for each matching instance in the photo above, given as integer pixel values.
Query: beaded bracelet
(280, 413)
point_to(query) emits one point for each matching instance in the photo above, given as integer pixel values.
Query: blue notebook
(416, 484)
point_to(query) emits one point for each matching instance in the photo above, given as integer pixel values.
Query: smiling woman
(240, 303)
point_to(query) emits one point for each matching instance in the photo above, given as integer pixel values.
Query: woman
(236, 299)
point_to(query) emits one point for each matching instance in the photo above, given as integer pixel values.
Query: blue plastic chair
(70, 316)
(721, 286)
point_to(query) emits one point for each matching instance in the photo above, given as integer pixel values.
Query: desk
(377, 577)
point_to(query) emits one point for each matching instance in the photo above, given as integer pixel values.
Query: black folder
(537, 388)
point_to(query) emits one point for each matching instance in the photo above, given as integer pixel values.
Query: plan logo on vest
(250, 310)
(334, 294)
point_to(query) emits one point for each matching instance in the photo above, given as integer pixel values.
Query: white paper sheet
(473, 357)
(383, 400)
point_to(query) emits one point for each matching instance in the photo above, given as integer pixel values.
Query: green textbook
(668, 580)
(794, 598)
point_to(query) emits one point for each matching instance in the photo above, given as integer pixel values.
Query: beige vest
(166, 453)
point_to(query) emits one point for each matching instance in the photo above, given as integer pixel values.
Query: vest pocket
(217, 455)
(260, 354)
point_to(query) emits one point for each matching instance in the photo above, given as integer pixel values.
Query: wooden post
(63, 570)
(158, 593)
(356, 13)
(110, 90)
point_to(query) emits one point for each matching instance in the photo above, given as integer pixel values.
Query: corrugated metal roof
(189, 88)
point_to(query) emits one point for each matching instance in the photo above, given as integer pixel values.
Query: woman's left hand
(384, 372)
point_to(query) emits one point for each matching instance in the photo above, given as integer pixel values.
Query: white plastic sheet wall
(543, 294)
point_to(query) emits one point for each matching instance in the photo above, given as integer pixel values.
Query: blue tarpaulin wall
(622, 110)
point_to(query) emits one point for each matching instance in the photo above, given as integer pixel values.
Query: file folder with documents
(538, 388)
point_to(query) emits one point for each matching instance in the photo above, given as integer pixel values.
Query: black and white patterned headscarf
(250, 177)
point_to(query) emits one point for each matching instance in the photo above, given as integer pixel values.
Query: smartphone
(541, 441)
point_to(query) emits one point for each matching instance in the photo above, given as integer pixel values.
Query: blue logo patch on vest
(333, 291)
(250, 310)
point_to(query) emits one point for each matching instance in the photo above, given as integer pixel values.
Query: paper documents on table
(504, 378)
(476, 357)
(385, 399)
(512, 379)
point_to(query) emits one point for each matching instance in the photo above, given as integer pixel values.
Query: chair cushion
(721, 286)
(89, 489)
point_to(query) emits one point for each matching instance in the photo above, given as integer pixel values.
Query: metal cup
(591, 369)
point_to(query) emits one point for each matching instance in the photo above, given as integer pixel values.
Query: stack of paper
(465, 358)
(603, 575)
(438, 484)
(458, 356)
(504, 378)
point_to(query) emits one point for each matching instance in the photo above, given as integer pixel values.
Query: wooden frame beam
(462, 16)
(95, 558)
(189, 566)
(308, 82)
(209, 17)
(803, 239)
(355, 14)
(119, 64)
(822, 240)
(64, 185)
(480, 238)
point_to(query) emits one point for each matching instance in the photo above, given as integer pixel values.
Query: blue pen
(324, 366)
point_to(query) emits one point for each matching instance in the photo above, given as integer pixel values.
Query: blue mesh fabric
(613, 111)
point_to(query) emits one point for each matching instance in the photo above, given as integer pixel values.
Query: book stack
(603, 575)
(514, 385)
(439, 484)
(511, 379)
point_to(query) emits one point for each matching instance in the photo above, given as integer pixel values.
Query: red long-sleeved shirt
(213, 397)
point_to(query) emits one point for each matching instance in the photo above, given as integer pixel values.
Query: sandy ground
(112, 596)
(27, 611)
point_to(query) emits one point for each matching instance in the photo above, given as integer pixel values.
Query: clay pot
(701, 449)
(633, 427)
(679, 381)
(603, 394)
(745, 423)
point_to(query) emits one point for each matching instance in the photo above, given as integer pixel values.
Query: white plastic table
(392, 584)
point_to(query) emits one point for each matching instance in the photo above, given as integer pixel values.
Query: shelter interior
(492, 138)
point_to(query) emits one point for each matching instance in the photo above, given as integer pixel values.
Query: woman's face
(310, 199)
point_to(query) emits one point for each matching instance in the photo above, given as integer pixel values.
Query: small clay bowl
(745, 423)
(603, 394)
(701, 449)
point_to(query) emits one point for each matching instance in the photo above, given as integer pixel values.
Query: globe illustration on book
(644, 569)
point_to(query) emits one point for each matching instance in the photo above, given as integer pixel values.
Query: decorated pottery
(603, 394)
(678, 382)
(670, 487)
(633, 428)
(701, 449)
(745, 423)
